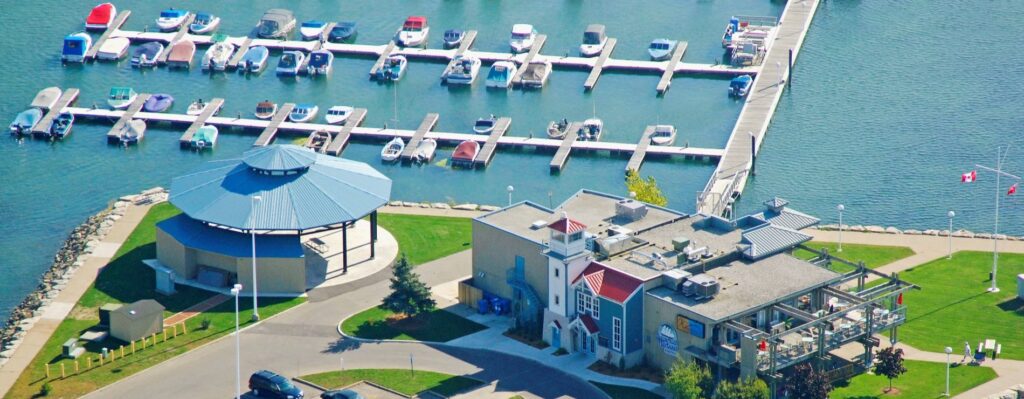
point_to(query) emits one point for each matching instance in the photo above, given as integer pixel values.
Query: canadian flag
(1012, 190)
(969, 177)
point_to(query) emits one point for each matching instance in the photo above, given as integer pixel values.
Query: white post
(510, 189)
(237, 289)
(951, 214)
(995, 232)
(778, 67)
(840, 208)
(252, 229)
(948, 351)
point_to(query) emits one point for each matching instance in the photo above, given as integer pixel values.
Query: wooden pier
(572, 133)
(268, 134)
(178, 35)
(340, 140)
(239, 53)
(670, 70)
(595, 72)
(428, 124)
(66, 98)
(538, 43)
(467, 42)
(114, 135)
(486, 154)
(115, 26)
(637, 159)
(212, 108)
(390, 48)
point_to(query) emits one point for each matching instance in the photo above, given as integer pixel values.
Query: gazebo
(271, 204)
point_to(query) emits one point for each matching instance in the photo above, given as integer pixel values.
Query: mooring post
(789, 73)
(753, 153)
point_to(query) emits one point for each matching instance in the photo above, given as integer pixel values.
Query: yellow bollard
(174, 330)
(101, 360)
(154, 339)
(122, 350)
(143, 342)
(133, 347)
(62, 375)
(47, 370)
(184, 328)
(165, 335)
(76, 366)
(88, 362)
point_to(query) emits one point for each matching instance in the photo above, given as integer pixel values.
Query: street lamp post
(951, 214)
(948, 352)
(252, 229)
(840, 208)
(510, 189)
(237, 289)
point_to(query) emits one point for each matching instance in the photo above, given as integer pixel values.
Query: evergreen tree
(646, 190)
(409, 296)
(807, 383)
(753, 388)
(889, 363)
(688, 380)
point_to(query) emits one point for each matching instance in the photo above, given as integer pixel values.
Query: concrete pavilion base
(324, 269)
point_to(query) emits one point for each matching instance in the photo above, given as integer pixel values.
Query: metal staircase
(528, 309)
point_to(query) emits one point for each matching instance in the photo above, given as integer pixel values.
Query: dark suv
(266, 383)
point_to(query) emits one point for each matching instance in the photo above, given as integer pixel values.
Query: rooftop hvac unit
(616, 230)
(537, 225)
(701, 286)
(674, 279)
(680, 243)
(590, 241)
(630, 209)
(614, 244)
(694, 254)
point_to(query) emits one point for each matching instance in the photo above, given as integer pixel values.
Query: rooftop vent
(616, 230)
(631, 210)
(537, 225)
(674, 279)
(701, 286)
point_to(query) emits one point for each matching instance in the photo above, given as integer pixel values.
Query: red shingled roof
(567, 226)
(589, 323)
(608, 282)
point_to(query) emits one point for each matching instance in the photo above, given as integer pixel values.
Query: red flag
(899, 299)
(969, 177)
(1012, 190)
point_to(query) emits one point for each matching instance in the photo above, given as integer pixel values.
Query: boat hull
(204, 29)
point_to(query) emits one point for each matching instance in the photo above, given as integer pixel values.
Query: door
(520, 266)
(575, 340)
(556, 337)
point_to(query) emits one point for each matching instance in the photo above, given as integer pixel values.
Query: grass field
(435, 326)
(923, 380)
(426, 238)
(873, 256)
(622, 392)
(400, 380)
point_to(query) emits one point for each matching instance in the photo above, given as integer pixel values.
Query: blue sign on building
(667, 340)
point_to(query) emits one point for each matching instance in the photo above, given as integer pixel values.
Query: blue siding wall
(610, 309)
(635, 325)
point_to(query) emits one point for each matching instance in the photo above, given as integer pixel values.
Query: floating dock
(270, 131)
(114, 135)
(212, 108)
(388, 50)
(666, 77)
(428, 124)
(239, 53)
(175, 37)
(595, 71)
(114, 28)
(538, 43)
(340, 140)
(66, 98)
(486, 154)
(572, 133)
(637, 159)
(467, 42)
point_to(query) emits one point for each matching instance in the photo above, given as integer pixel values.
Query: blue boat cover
(319, 58)
(74, 45)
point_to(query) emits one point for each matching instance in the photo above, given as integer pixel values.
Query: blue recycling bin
(482, 306)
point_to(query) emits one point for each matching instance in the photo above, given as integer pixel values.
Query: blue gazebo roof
(298, 189)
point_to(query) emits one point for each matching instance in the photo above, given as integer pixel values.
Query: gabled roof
(769, 239)
(789, 218)
(589, 323)
(567, 226)
(608, 282)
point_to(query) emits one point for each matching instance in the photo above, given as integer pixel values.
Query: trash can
(482, 305)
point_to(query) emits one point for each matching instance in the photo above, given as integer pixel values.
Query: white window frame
(581, 298)
(596, 311)
(617, 333)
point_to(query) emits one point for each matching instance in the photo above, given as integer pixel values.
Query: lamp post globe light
(949, 235)
(255, 308)
(510, 189)
(840, 208)
(237, 289)
(948, 352)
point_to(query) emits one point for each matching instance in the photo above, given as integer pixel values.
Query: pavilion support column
(344, 248)
(373, 235)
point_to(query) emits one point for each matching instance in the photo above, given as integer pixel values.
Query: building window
(556, 236)
(556, 299)
(588, 305)
(556, 273)
(581, 298)
(596, 307)
(575, 236)
(617, 333)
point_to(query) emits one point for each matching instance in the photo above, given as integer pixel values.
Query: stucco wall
(658, 312)
(494, 253)
(276, 275)
(174, 255)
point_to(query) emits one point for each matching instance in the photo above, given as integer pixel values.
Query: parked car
(265, 383)
(341, 394)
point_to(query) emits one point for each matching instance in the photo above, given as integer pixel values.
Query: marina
(114, 135)
(212, 108)
(428, 124)
(66, 98)
(636, 160)
(595, 71)
(340, 140)
(271, 127)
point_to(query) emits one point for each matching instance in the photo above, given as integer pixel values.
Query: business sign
(667, 339)
(692, 327)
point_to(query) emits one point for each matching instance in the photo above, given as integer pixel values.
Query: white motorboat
(663, 135)
(523, 36)
(558, 129)
(132, 132)
(75, 47)
(338, 114)
(591, 130)
(501, 73)
(485, 125)
(536, 73)
(204, 23)
(462, 70)
(425, 150)
(276, 23)
(312, 30)
(661, 49)
(171, 19)
(217, 56)
(196, 107)
(393, 68)
(594, 40)
(303, 113)
(265, 110)
(254, 59)
(113, 49)
(290, 63)
(204, 138)
(740, 85)
(392, 150)
(320, 63)
(47, 98)
(121, 97)
(414, 32)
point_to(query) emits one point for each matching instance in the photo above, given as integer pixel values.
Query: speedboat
(113, 49)
(594, 40)
(62, 124)
(205, 137)
(465, 153)
(558, 129)
(101, 17)
(740, 85)
(462, 70)
(204, 23)
(338, 114)
(265, 110)
(181, 53)
(196, 107)
(276, 23)
(663, 135)
(318, 140)
(485, 125)
(132, 132)
(171, 19)
(522, 38)
(343, 32)
(121, 97)
(25, 121)
(158, 103)
(320, 62)
(146, 54)
(425, 150)
(536, 73)
(312, 30)
(453, 38)
(75, 47)
(217, 56)
(290, 62)
(414, 32)
(731, 29)
(47, 98)
(392, 150)
(393, 68)
(303, 113)
(254, 59)
(661, 49)
(591, 130)
(501, 74)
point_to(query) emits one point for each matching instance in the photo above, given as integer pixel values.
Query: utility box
(1020, 286)
(680, 243)
(136, 320)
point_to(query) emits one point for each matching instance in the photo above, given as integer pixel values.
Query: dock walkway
(562, 155)
(114, 27)
(340, 140)
(595, 72)
(486, 154)
(240, 50)
(212, 108)
(388, 49)
(268, 134)
(467, 42)
(538, 43)
(114, 135)
(428, 124)
(178, 35)
(637, 159)
(670, 70)
(66, 98)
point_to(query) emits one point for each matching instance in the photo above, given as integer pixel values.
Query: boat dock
(467, 42)
(428, 124)
(114, 27)
(239, 53)
(268, 134)
(388, 49)
(114, 135)
(637, 159)
(340, 140)
(666, 77)
(212, 108)
(486, 154)
(538, 43)
(66, 98)
(562, 154)
(175, 37)
(595, 72)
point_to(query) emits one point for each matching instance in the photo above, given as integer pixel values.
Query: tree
(409, 296)
(889, 363)
(752, 388)
(688, 380)
(646, 189)
(807, 383)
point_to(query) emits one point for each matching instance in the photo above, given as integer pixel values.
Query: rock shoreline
(442, 205)
(931, 232)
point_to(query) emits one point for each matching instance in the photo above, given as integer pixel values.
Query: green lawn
(126, 279)
(426, 238)
(435, 326)
(923, 380)
(622, 392)
(873, 256)
(953, 306)
(400, 380)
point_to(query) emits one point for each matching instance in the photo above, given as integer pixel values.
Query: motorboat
(485, 125)
(338, 114)
(452, 38)
(171, 19)
(145, 54)
(465, 153)
(254, 59)
(740, 85)
(62, 124)
(594, 40)
(663, 135)
(558, 129)
(414, 32)
(204, 23)
(196, 107)
(462, 70)
(425, 150)
(661, 49)
(47, 98)
(746, 53)
(158, 103)
(392, 150)
(393, 68)
(204, 138)
(290, 63)
(344, 31)
(113, 49)
(501, 74)
(312, 30)
(523, 36)
(181, 53)
(731, 29)
(25, 121)
(75, 47)
(132, 132)
(536, 73)
(320, 62)
(217, 56)
(303, 113)
(265, 110)
(276, 23)
(591, 130)
(318, 141)
(101, 17)
(121, 97)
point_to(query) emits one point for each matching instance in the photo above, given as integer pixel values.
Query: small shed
(136, 320)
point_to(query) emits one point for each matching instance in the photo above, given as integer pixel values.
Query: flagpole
(995, 233)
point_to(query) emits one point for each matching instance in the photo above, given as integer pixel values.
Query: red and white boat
(101, 17)
(465, 153)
